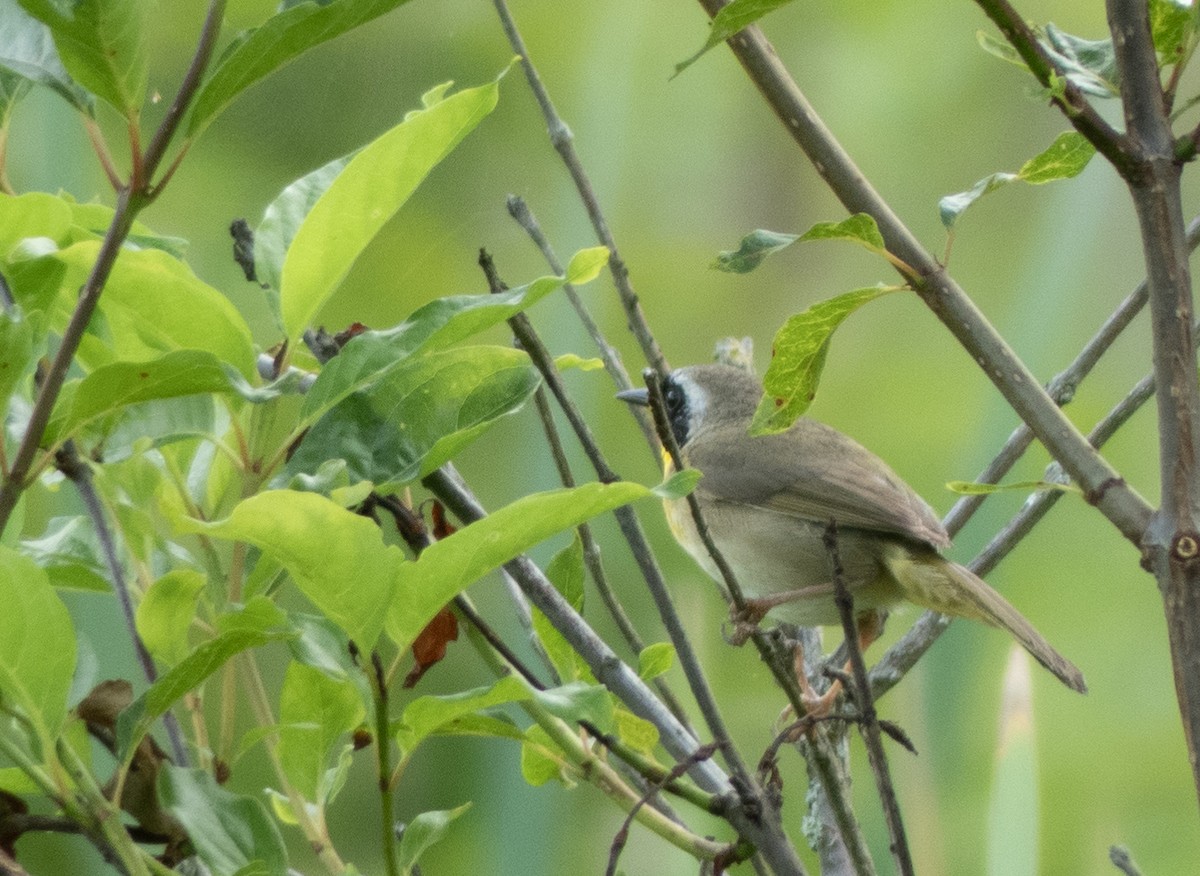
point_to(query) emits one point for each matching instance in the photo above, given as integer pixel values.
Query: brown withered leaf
(430, 646)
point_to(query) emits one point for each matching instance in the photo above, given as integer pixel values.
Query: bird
(768, 501)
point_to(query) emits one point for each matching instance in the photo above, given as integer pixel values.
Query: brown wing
(823, 473)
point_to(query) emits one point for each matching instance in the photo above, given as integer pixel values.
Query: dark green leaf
(140, 427)
(27, 49)
(295, 29)
(112, 387)
(422, 832)
(102, 45)
(369, 357)
(798, 357)
(37, 646)
(420, 415)
(336, 558)
(728, 21)
(323, 645)
(1089, 64)
(579, 701)
(366, 194)
(454, 563)
(231, 832)
(755, 247)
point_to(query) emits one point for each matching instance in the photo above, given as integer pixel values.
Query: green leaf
(655, 660)
(69, 553)
(420, 415)
(1173, 24)
(754, 248)
(951, 207)
(679, 484)
(255, 54)
(16, 352)
(165, 614)
(1012, 825)
(728, 21)
(37, 645)
(369, 357)
(188, 674)
(565, 571)
(422, 832)
(284, 216)
(102, 45)
(798, 357)
(315, 712)
(1065, 158)
(638, 733)
(153, 304)
(970, 488)
(112, 387)
(366, 194)
(452, 564)
(336, 558)
(859, 228)
(232, 833)
(430, 715)
(27, 50)
(1089, 64)
(34, 214)
(541, 758)
(578, 702)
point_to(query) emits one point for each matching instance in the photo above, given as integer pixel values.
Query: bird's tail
(932, 581)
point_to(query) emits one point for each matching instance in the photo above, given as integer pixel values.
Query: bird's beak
(635, 396)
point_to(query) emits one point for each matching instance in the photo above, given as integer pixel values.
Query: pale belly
(771, 553)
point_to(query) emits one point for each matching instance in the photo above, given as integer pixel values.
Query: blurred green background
(684, 167)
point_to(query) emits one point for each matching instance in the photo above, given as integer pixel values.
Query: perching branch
(760, 828)
(1101, 484)
(1172, 541)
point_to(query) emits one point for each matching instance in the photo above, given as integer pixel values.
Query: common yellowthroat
(768, 500)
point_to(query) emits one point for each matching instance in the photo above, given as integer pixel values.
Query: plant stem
(383, 748)
(131, 201)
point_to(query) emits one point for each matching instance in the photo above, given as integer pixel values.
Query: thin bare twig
(562, 140)
(868, 719)
(78, 473)
(1122, 860)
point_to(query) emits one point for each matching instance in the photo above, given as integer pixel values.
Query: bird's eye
(673, 396)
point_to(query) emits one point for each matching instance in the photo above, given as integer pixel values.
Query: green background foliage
(684, 168)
